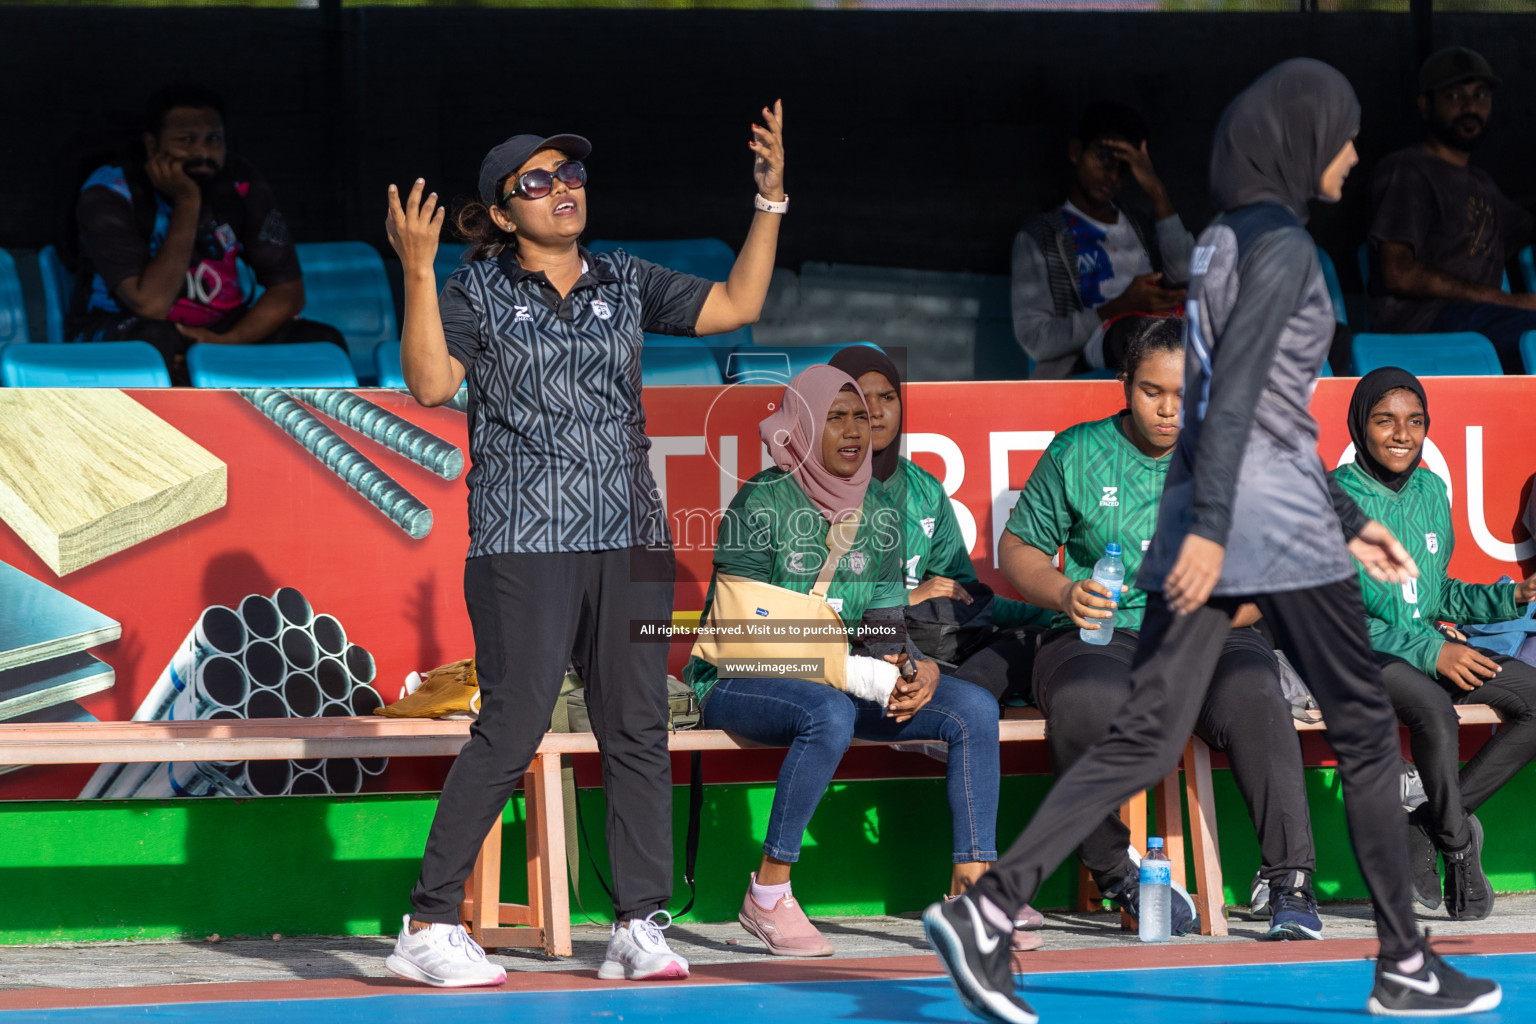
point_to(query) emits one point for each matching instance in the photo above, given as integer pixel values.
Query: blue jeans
(817, 723)
(1501, 325)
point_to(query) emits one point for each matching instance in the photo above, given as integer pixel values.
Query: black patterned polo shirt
(556, 431)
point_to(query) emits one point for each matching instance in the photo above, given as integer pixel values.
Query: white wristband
(769, 206)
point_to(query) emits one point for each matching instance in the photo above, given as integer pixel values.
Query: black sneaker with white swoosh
(978, 959)
(1435, 990)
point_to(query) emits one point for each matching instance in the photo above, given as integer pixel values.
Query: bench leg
(1209, 898)
(548, 876)
(1170, 822)
(1134, 814)
(483, 906)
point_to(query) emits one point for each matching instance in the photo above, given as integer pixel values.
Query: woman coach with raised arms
(568, 534)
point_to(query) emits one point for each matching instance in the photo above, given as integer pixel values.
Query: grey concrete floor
(130, 964)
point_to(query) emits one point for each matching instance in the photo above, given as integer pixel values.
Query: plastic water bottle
(1154, 912)
(1109, 573)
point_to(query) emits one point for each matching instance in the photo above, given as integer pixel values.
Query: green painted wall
(332, 866)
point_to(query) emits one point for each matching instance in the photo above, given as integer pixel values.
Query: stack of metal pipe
(270, 657)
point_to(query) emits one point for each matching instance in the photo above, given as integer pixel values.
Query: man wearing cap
(1442, 231)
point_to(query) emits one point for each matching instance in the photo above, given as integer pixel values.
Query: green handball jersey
(1091, 487)
(934, 545)
(771, 532)
(1402, 617)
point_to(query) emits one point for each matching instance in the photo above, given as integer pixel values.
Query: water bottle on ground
(1154, 912)
(1108, 572)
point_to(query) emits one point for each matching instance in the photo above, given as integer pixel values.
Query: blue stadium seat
(678, 364)
(758, 364)
(448, 258)
(345, 286)
(13, 303)
(313, 364)
(96, 364)
(1462, 354)
(1335, 290)
(708, 258)
(1326, 371)
(1528, 270)
(386, 363)
(58, 286)
(1528, 351)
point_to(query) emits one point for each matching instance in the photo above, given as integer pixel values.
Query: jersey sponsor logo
(524, 314)
(1111, 498)
(928, 525)
(1432, 542)
(795, 562)
(600, 309)
(912, 579)
(1200, 262)
(1411, 594)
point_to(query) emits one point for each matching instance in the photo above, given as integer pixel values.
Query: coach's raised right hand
(414, 229)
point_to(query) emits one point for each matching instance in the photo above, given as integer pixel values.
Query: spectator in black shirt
(162, 233)
(1442, 231)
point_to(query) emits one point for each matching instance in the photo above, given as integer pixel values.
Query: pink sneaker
(1023, 942)
(785, 929)
(1028, 919)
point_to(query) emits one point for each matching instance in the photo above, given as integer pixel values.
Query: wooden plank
(1169, 806)
(485, 885)
(88, 472)
(1201, 794)
(38, 623)
(554, 904)
(43, 684)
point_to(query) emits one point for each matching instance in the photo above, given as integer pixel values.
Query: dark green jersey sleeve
(1421, 650)
(1042, 517)
(1465, 603)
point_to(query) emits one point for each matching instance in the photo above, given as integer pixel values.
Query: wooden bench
(544, 921)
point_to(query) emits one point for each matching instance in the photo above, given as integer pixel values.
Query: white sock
(1413, 965)
(767, 896)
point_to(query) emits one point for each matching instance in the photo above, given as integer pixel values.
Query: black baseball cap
(1452, 66)
(513, 153)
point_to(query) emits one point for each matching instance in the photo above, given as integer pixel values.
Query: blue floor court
(1307, 993)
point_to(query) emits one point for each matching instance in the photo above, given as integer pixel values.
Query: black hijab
(1279, 135)
(856, 361)
(1372, 387)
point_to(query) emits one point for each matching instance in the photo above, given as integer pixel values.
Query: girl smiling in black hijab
(1426, 672)
(1247, 515)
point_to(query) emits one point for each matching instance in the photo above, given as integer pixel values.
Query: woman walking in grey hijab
(1248, 514)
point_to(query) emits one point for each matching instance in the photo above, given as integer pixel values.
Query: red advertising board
(281, 519)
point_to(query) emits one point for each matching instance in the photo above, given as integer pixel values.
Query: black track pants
(1322, 630)
(531, 615)
(1427, 707)
(1081, 688)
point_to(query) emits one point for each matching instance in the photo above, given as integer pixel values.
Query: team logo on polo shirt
(1432, 542)
(601, 310)
(928, 525)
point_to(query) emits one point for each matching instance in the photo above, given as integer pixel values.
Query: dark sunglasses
(536, 184)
